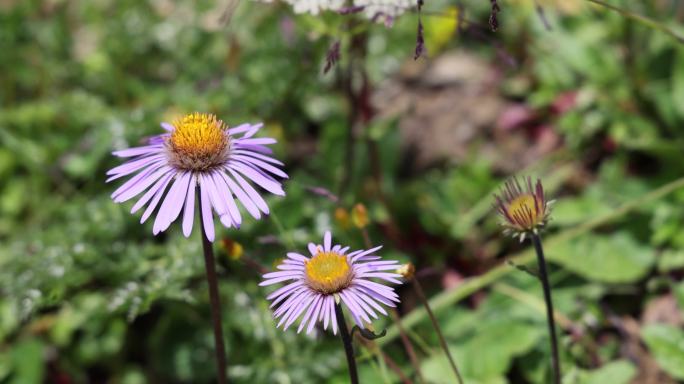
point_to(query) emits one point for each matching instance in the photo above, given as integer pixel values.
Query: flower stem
(543, 276)
(366, 238)
(283, 234)
(407, 345)
(347, 342)
(440, 336)
(641, 19)
(215, 304)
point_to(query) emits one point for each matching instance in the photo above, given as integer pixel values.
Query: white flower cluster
(384, 8)
(379, 10)
(314, 7)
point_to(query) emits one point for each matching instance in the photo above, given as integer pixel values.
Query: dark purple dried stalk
(332, 57)
(493, 20)
(323, 192)
(420, 41)
(420, 38)
(542, 15)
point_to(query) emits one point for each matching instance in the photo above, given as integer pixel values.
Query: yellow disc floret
(328, 272)
(525, 211)
(199, 141)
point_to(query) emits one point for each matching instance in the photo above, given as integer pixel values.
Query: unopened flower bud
(233, 249)
(360, 216)
(342, 217)
(407, 271)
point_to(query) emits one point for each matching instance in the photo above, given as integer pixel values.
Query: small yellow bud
(233, 249)
(360, 216)
(407, 271)
(342, 217)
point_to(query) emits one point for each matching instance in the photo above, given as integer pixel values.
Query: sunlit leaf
(666, 342)
(615, 258)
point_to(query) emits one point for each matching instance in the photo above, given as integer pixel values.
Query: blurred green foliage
(89, 295)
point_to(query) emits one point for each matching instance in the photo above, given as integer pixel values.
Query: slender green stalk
(538, 305)
(215, 303)
(438, 330)
(535, 303)
(387, 361)
(641, 19)
(407, 345)
(283, 234)
(347, 342)
(395, 368)
(366, 238)
(382, 358)
(544, 277)
(397, 320)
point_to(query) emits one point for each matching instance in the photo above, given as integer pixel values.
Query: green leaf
(678, 290)
(27, 361)
(615, 372)
(573, 211)
(487, 356)
(666, 342)
(678, 82)
(437, 370)
(670, 260)
(616, 258)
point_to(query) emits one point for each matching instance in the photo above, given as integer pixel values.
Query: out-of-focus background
(593, 104)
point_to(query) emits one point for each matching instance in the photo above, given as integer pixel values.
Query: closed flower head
(327, 276)
(199, 154)
(523, 210)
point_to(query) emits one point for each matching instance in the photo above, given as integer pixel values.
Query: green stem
(407, 345)
(347, 342)
(543, 276)
(215, 302)
(366, 238)
(641, 19)
(279, 226)
(438, 330)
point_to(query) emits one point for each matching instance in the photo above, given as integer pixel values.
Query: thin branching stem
(543, 276)
(373, 347)
(366, 238)
(284, 236)
(641, 19)
(215, 303)
(347, 342)
(438, 330)
(397, 320)
(410, 351)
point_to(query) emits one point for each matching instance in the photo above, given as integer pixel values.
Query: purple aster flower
(330, 276)
(199, 153)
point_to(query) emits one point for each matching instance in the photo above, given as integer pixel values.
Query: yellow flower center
(526, 211)
(198, 142)
(328, 272)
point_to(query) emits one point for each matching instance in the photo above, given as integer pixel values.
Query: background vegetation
(593, 105)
